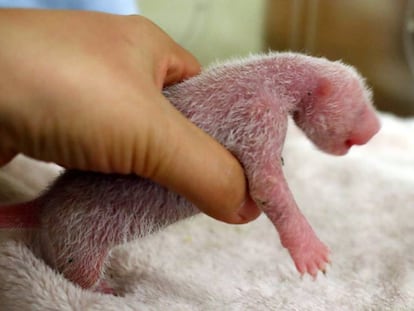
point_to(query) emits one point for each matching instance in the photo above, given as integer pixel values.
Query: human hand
(83, 90)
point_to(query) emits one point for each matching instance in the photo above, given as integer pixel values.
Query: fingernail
(249, 211)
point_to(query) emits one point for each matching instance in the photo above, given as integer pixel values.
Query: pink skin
(243, 104)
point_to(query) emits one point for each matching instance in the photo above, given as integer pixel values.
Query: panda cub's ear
(324, 87)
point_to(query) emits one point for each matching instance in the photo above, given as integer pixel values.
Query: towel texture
(361, 205)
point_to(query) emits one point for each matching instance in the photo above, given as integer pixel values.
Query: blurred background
(376, 36)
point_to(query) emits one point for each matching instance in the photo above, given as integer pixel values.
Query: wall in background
(210, 29)
(367, 34)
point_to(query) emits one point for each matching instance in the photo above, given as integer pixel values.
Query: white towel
(361, 205)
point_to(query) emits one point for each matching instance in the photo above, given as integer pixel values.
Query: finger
(191, 66)
(181, 66)
(193, 164)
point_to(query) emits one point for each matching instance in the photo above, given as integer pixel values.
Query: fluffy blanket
(361, 205)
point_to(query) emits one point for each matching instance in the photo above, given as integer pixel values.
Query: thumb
(191, 163)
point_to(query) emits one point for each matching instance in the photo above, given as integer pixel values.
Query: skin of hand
(83, 90)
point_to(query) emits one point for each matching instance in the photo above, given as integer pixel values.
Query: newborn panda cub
(245, 105)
